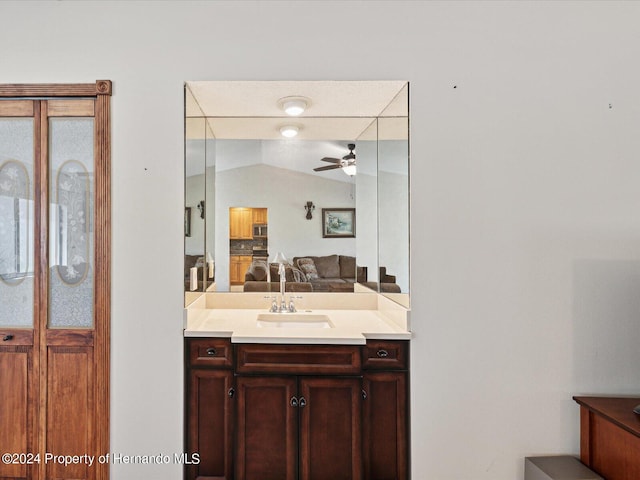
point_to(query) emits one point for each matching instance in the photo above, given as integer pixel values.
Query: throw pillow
(308, 267)
(298, 275)
(328, 266)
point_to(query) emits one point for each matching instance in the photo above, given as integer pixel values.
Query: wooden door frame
(101, 91)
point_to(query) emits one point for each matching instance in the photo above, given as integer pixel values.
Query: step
(558, 467)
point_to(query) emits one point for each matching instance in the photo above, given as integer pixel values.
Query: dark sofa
(324, 273)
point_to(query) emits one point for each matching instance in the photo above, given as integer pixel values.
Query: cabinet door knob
(303, 402)
(364, 394)
(382, 353)
(6, 338)
(293, 402)
(211, 351)
(231, 392)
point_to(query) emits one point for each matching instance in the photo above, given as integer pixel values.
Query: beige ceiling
(340, 110)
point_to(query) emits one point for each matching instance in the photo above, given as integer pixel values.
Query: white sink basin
(294, 320)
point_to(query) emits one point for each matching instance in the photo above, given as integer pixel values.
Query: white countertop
(352, 327)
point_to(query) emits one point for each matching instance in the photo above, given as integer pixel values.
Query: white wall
(525, 226)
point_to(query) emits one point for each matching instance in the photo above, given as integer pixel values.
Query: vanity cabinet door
(210, 404)
(267, 428)
(385, 426)
(330, 428)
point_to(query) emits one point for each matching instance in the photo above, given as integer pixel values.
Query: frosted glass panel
(16, 222)
(71, 267)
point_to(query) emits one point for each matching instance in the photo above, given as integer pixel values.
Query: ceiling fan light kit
(294, 106)
(347, 163)
(349, 170)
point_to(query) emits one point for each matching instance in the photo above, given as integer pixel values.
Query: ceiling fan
(347, 163)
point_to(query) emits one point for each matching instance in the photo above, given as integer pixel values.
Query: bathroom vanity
(321, 393)
(300, 401)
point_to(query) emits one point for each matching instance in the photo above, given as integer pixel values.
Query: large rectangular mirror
(327, 188)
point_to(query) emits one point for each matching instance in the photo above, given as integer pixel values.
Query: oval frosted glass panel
(71, 267)
(16, 222)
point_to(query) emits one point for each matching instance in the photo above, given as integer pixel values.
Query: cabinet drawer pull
(6, 338)
(293, 402)
(211, 351)
(303, 402)
(382, 353)
(231, 392)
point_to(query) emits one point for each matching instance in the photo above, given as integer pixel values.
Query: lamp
(289, 131)
(309, 207)
(349, 170)
(293, 106)
(280, 258)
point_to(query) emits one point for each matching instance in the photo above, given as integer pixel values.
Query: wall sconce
(309, 207)
(201, 208)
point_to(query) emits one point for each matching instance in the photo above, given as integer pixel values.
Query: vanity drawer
(385, 355)
(298, 359)
(210, 352)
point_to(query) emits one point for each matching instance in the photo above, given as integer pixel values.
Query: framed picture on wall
(338, 222)
(187, 221)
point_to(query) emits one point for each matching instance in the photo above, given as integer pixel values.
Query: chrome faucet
(283, 307)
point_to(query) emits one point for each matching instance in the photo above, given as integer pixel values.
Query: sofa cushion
(291, 273)
(327, 266)
(258, 270)
(347, 266)
(308, 267)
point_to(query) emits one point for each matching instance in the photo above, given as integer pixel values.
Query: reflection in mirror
(194, 193)
(256, 185)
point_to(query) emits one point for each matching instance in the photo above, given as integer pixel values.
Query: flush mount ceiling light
(294, 106)
(289, 131)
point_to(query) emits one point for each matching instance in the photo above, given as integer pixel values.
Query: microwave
(259, 230)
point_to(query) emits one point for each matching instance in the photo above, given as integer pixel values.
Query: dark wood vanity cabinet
(210, 404)
(288, 412)
(298, 427)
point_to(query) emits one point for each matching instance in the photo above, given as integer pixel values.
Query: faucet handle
(274, 303)
(292, 306)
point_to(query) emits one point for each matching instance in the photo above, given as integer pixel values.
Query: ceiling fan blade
(328, 167)
(331, 159)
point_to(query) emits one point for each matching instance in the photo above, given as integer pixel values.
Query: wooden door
(330, 422)
(259, 215)
(55, 278)
(240, 223)
(238, 266)
(245, 263)
(19, 385)
(385, 426)
(267, 428)
(210, 424)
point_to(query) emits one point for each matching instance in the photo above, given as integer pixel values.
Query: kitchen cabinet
(259, 215)
(240, 223)
(297, 411)
(238, 266)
